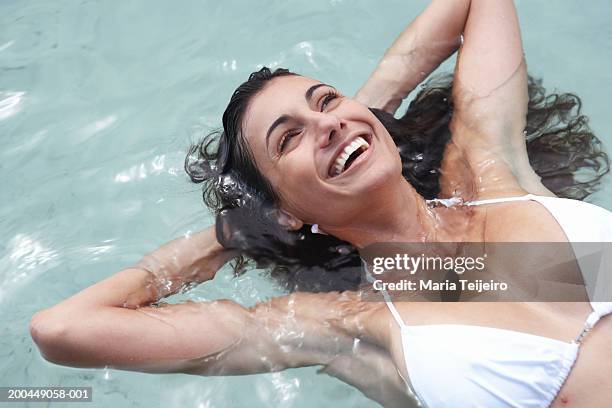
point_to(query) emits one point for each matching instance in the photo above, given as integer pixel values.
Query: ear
(288, 220)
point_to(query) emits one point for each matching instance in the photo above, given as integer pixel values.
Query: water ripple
(156, 166)
(307, 48)
(99, 125)
(10, 103)
(23, 260)
(6, 45)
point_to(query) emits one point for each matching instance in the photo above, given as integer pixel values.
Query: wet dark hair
(561, 147)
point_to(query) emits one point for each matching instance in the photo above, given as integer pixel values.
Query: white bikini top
(454, 365)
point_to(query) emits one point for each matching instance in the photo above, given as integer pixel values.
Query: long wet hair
(561, 147)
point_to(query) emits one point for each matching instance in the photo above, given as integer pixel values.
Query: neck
(402, 217)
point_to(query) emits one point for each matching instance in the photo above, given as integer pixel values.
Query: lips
(347, 153)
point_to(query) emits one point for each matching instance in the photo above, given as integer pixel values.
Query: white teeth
(344, 155)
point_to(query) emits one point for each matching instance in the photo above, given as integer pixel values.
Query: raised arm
(490, 101)
(114, 323)
(429, 40)
(490, 86)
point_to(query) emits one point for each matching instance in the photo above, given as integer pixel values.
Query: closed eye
(328, 97)
(286, 138)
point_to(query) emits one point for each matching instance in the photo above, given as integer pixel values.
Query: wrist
(190, 259)
(388, 85)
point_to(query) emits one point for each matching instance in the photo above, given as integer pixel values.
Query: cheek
(298, 182)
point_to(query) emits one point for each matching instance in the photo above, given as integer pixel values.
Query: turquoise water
(98, 103)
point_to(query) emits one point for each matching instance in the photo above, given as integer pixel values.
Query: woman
(298, 144)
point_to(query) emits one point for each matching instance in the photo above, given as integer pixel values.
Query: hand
(190, 259)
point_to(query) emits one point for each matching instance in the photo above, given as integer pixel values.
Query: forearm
(188, 259)
(160, 273)
(429, 40)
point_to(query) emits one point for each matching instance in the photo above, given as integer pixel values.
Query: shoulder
(520, 221)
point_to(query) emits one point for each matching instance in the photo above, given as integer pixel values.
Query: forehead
(281, 95)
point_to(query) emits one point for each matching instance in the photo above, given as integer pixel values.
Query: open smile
(354, 151)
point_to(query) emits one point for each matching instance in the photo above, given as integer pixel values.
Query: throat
(402, 216)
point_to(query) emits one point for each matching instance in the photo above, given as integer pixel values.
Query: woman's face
(325, 154)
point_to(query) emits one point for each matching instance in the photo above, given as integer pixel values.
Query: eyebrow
(284, 118)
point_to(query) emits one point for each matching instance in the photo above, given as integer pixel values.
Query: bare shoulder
(522, 221)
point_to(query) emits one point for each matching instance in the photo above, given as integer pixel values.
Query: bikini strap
(525, 197)
(393, 309)
(453, 201)
(386, 296)
(600, 309)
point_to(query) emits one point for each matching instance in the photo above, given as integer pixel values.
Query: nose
(327, 127)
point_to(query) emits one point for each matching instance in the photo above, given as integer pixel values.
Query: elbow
(49, 331)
